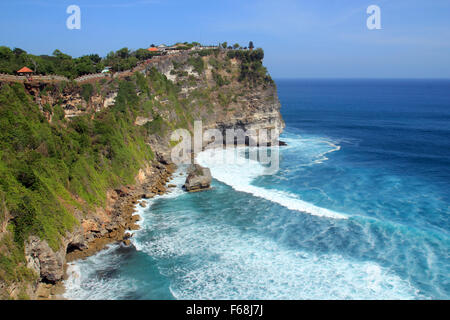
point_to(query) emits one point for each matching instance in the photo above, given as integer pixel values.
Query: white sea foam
(178, 179)
(314, 150)
(223, 262)
(84, 284)
(230, 167)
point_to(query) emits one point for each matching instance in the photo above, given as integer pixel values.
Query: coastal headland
(79, 155)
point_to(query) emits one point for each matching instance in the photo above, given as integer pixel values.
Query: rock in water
(198, 179)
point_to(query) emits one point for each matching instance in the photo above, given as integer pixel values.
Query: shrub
(86, 91)
(219, 79)
(43, 164)
(197, 63)
(252, 69)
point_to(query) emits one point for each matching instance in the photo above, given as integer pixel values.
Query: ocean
(359, 208)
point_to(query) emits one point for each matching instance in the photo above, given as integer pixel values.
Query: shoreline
(121, 231)
(132, 196)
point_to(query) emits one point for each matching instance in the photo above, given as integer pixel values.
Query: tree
(5, 53)
(123, 53)
(143, 54)
(250, 45)
(224, 45)
(84, 65)
(58, 54)
(236, 45)
(18, 51)
(95, 58)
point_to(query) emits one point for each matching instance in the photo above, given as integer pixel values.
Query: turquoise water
(359, 208)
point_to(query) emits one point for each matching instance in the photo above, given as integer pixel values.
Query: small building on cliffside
(25, 72)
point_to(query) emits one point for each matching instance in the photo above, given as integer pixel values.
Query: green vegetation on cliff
(49, 169)
(252, 68)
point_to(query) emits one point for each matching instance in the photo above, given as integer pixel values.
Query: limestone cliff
(223, 88)
(221, 96)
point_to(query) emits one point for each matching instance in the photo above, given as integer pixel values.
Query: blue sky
(301, 39)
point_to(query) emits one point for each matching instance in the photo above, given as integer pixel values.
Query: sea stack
(198, 179)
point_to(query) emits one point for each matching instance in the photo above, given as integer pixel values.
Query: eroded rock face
(258, 109)
(198, 179)
(254, 110)
(43, 260)
(4, 218)
(140, 121)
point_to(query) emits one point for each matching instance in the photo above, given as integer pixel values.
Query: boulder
(198, 179)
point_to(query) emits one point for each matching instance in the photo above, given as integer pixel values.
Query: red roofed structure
(153, 49)
(25, 70)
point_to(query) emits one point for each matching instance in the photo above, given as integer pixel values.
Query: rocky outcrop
(198, 179)
(110, 100)
(257, 109)
(49, 265)
(70, 98)
(111, 223)
(4, 216)
(97, 229)
(232, 105)
(140, 121)
(46, 262)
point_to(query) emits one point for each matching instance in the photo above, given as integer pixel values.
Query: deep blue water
(359, 208)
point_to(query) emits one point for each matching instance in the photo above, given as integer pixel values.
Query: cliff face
(233, 101)
(211, 88)
(223, 89)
